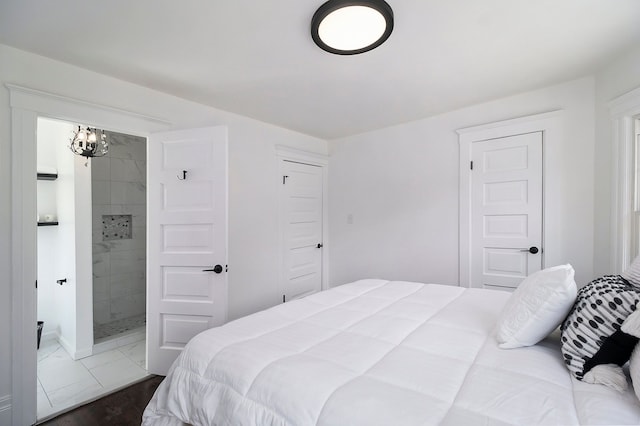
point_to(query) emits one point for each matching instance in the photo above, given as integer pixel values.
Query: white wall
(65, 295)
(253, 260)
(49, 132)
(64, 251)
(619, 77)
(400, 185)
(81, 223)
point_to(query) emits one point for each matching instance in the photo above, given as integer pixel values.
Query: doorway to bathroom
(27, 107)
(91, 265)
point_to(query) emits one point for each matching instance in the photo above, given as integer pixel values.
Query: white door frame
(315, 159)
(550, 125)
(624, 110)
(26, 106)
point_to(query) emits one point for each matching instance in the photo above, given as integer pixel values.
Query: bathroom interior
(91, 288)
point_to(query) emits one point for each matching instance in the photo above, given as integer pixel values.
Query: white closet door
(506, 210)
(302, 210)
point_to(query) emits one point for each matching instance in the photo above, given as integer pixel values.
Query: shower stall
(118, 187)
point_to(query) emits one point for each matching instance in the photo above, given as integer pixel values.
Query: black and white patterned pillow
(591, 333)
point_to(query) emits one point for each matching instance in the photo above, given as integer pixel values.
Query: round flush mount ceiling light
(349, 27)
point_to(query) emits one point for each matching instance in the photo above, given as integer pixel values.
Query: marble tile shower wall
(118, 184)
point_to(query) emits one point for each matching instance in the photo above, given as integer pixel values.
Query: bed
(377, 352)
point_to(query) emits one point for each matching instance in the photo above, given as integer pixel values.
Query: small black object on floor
(122, 408)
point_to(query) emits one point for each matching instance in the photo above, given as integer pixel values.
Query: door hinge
(471, 165)
(283, 299)
(284, 179)
(226, 268)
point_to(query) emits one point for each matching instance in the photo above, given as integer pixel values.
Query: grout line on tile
(45, 392)
(92, 375)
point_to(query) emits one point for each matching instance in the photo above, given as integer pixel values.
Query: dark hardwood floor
(122, 408)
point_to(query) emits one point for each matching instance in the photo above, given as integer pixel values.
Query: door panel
(187, 235)
(505, 226)
(502, 266)
(187, 283)
(506, 193)
(192, 239)
(301, 207)
(506, 209)
(177, 330)
(196, 197)
(504, 158)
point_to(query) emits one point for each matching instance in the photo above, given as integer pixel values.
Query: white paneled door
(506, 210)
(301, 201)
(187, 235)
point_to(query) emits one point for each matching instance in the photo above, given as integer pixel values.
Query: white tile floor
(64, 383)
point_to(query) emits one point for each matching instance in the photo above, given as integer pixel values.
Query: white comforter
(376, 352)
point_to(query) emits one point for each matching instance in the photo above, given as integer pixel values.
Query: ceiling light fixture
(348, 27)
(87, 143)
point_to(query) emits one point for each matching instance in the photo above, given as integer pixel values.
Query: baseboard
(49, 335)
(83, 353)
(75, 354)
(5, 410)
(67, 346)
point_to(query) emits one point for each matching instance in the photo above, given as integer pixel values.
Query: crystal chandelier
(87, 143)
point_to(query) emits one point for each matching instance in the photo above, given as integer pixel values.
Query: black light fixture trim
(88, 143)
(333, 5)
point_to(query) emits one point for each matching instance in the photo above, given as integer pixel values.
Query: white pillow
(537, 307)
(632, 273)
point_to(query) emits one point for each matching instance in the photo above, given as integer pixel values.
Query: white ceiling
(256, 57)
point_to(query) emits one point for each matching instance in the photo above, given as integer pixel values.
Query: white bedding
(376, 352)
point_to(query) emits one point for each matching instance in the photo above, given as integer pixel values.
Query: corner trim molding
(496, 129)
(623, 111)
(301, 155)
(26, 97)
(626, 104)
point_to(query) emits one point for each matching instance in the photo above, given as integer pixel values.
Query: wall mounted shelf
(47, 176)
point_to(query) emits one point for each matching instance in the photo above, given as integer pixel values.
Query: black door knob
(533, 250)
(217, 269)
(319, 245)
